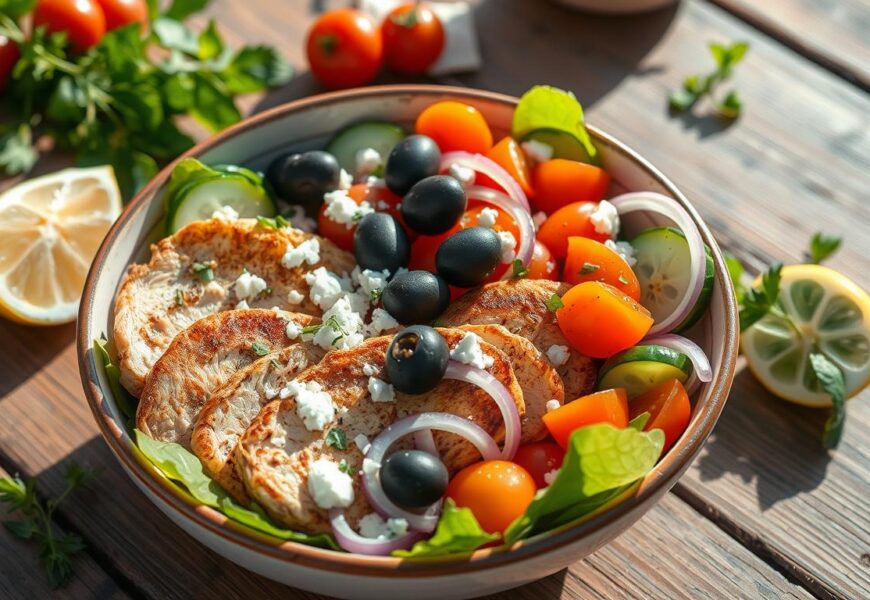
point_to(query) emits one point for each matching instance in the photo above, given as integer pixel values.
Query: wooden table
(764, 512)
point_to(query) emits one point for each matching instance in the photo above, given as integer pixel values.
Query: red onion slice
(669, 208)
(526, 243)
(351, 541)
(488, 167)
(701, 370)
(499, 393)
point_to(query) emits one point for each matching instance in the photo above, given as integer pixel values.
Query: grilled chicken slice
(158, 300)
(519, 306)
(201, 359)
(276, 451)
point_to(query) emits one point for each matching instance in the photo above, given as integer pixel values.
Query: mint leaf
(174, 35)
(832, 381)
(759, 300)
(125, 401)
(681, 100)
(822, 247)
(545, 107)
(730, 106)
(214, 108)
(181, 466)
(696, 87)
(458, 532)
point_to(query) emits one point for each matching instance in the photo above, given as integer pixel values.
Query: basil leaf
(458, 532)
(212, 107)
(255, 68)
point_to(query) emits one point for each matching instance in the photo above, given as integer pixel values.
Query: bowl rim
(658, 481)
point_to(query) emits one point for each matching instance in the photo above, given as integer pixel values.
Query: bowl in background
(616, 7)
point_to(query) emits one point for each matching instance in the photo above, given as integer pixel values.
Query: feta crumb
(487, 217)
(370, 467)
(465, 175)
(299, 220)
(553, 405)
(367, 161)
(468, 352)
(242, 305)
(373, 526)
(313, 405)
(306, 252)
(550, 476)
(508, 244)
(346, 331)
(225, 213)
(269, 391)
(624, 249)
(295, 297)
(397, 526)
(345, 180)
(326, 287)
(381, 321)
(371, 282)
(293, 330)
(538, 219)
(341, 208)
(329, 486)
(369, 370)
(538, 151)
(248, 285)
(381, 391)
(359, 302)
(605, 219)
(362, 442)
(558, 355)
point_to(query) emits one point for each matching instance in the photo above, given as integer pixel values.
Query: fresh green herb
(274, 364)
(588, 268)
(55, 549)
(832, 381)
(179, 297)
(554, 303)
(735, 272)
(458, 532)
(640, 421)
(760, 300)
(357, 216)
(331, 323)
(696, 87)
(278, 222)
(126, 403)
(545, 107)
(345, 467)
(375, 295)
(259, 348)
(337, 438)
(622, 280)
(822, 247)
(203, 271)
(520, 271)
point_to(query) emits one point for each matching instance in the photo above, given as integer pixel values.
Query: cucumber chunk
(380, 135)
(198, 200)
(564, 145)
(641, 368)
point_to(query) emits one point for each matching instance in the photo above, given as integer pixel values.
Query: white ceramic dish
(616, 6)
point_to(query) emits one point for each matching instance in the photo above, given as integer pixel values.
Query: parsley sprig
(332, 323)
(760, 300)
(822, 247)
(696, 87)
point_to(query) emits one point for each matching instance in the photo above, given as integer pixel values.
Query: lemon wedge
(50, 229)
(819, 309)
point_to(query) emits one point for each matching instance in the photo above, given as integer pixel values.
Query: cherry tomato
(123, 12)
(598, 320)
(424, 248)
(568, 221)
(608, 406)
(539, 459)
(344, 48)
(559, 182)
(496, 491)
(542, 265)
(82, 20)
(589, 260)
(508, 155)
(669, 408)
(455, 126)
(9, 55)
(413, 38)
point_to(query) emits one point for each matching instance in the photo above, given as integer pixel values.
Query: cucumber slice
(197, 200)
(641, 368)
(564, 144)
(663, 270)
(380, 135)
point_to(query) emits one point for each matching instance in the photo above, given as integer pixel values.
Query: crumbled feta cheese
(381, 321)
(605, 219)
(242, 305)
(293, 330)
(306, 252)
(225, 213)
(342, 327)
(508, 245)
(329, 486)
(359, 302)
(345, 180)
(313, 405)
(381, 391)
(468, 352)
(370, 467)
(326, 287)
(269, 391)
(624, 249)
(369, 370)
(371, 282)
(341, 208)
(367, 161)
(295, 297)
(374, 527)
(397, 526)
(550, 476)
(558, 355)
(299, 220)
(553, 405)
(249, 285)
(487, 217)
(362, 442)
(465, 175)
(538, 151)
(538, 219)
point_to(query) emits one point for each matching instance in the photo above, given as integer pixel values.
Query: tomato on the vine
(344, 48)
(9, 55)
(83, 21)
(540, 459)
(123, 12)
(413, 38)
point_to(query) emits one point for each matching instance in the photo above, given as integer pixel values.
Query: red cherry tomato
(542, 265)
(123, 12)
(344, 48)
(9, 55)
(424, 248)
(455, 126)
(413, 38)
(82, 20)
(571, 220)
(539, 459)
(669, 409)
(496, 491)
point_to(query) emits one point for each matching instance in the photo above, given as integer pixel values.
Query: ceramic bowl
(306, 124)
(622, 7)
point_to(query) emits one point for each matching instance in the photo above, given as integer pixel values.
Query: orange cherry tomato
(496, 491)
(599, 320)
(568, 221)
(123, 12)
(669, 408)
(379, 197)
(542, 265)
(82, 20)
(9, 55)
(508, 155)
(413, 38)
(344, 48)
(455, 126)
(559, 181)
(608, 406)
(539, 459)
(589, 260)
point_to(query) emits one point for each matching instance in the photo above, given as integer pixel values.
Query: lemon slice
(819, 310)
(50, 229)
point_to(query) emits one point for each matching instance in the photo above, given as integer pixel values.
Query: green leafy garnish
(203, 271)
(274, 364)
(622, 280)
(458, 532)
(696, 87)
(760, 300)
(179, 297)
(735, 272)
(277, 222)
(519, 270)
(640, 421)
(259, 348)
(331, 323)
(832, 381)
(588, 268)
(554, 303)
(345, 467)
(375, 295)
(545, 107)
(337, 438)
(126, 403)
(55, 549)
(600, 464)
(822, 247)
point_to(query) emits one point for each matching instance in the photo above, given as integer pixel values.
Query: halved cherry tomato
(608, 406)
(542, 265)
(589, 260)
(508, 155)
(82, 20)
(413, 38)
(539, 459)
(496, 491)
(379, 197)
(559, 181)
(123, 12)
(9, 55)
(571, 220)
(669, 408)
(455, 126)
(599, 320)
(344, 48)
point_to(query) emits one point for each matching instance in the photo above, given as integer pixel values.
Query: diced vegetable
(641, 368)
(379, 135)
(559, 182)
(608, 406)
(496, 491)
(589, 260)
(568, 221)
(455, 126)
(669, 408)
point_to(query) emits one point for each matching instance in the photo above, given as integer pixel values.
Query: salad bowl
(308, 124)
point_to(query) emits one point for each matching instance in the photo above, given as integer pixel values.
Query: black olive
(414, 158)
(417, 359)
(416, 297)
(434, 205)
(469, 256)
(413, 478)
(304, 178)
(379, 243)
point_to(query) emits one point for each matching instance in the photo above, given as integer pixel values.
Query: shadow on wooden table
(38, 346)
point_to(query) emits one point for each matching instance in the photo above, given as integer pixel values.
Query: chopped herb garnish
(376, 295)
(345, 467)
(588, 268)
(203, 271)
(520, 271)
(822, 247)
(337, 438)
(622, 280)
(760, 300)
(331, 322)
(179, 297)
(274, 364)
(357, 216)
(278, 222)
(554, 303)
(696, 87)
(259, 348)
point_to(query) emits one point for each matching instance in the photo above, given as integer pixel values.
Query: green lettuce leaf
(255, 518)
(187, 171)
(458, 532)
(125, 401)
(601, 463)
(545, 107)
